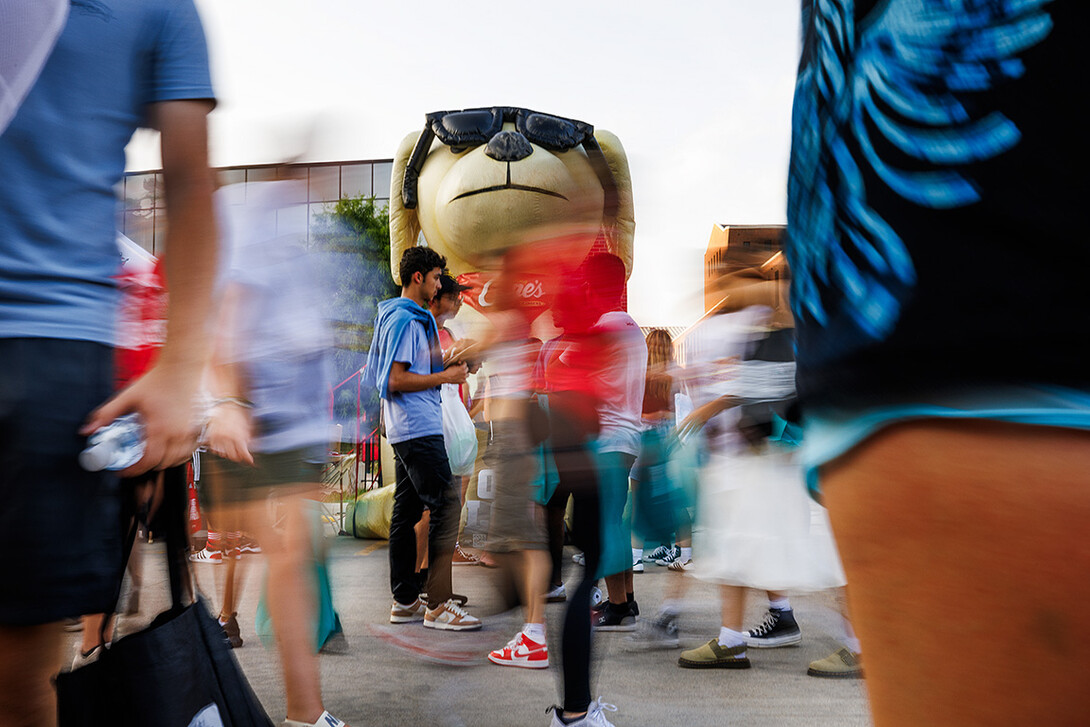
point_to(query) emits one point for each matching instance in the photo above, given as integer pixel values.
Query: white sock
(686, 555)
(535, 632)
(729, 638)
(850, 639)
(780, 604)
(637, 554)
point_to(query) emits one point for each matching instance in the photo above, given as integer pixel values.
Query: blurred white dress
(756, 525)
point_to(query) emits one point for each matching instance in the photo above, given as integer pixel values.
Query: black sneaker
(778, 629)
(670, 557)
(616, 618)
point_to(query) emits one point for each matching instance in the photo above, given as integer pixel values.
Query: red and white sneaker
(521, 651)
(461, 557)
(248, 546)
(207, 556)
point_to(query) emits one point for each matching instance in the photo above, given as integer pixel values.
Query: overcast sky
(698, 92)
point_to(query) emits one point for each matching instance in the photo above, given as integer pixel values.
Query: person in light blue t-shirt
(117, 65)
(406, 366)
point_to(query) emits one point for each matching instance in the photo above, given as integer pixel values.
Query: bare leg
(732, 606)
(93, 633)
(421, 529)
(232, 588)
(536, 568)
(32, 655)
(292, 600)
(615, 587)
(985, 520)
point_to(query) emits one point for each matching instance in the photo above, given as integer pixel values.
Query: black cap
(450, 286)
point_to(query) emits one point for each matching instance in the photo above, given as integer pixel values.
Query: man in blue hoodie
(406, 366)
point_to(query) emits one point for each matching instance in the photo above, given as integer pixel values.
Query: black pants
(578, 478)
(423, 480)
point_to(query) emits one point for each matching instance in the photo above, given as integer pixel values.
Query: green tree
(354, 241)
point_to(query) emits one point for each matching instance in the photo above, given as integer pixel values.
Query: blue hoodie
(394, 316)
(407, 415)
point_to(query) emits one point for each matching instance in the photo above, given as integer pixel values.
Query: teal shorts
(831, 433)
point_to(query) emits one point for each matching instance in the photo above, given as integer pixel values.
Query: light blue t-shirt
(64, 153)
(413, 414)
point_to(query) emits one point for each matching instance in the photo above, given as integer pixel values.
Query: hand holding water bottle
(166, 400)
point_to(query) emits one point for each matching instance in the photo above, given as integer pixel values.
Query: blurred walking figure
(269, 384)
(62, 157)
(459, 433)
(406, 365)
(570, 365)
(620, 382)
(756, 526)
(517, 538)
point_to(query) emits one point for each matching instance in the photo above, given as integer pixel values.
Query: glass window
(160, 233)
(292, 220)
(382, 179)
(356, 180)
(325, 184)
(231, 176)
(140, 191)
(261, 174)
(137, 225)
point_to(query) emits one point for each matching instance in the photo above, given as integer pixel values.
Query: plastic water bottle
(116, 446)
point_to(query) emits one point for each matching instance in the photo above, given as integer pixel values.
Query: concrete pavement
(406, 675)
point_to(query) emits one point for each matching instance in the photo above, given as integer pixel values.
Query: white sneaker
(579, 559)
(326, 720)
(403, 614)
(678, 567)
(637, 565)
(557, 595)
(205, 555)
(593, 717)
(449, 616)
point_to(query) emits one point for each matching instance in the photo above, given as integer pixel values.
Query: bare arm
(403, 380)
(230, 427)
(165, 397)
(700, 416)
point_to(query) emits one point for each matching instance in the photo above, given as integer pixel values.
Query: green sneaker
(841, 664)
(713, 656)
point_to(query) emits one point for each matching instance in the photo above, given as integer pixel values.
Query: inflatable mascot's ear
(477, 181)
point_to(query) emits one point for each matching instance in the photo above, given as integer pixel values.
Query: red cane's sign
(531, 292)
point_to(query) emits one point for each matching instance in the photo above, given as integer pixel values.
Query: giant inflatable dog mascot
(478, 181)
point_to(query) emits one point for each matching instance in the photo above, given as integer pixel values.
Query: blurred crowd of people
(952, 466)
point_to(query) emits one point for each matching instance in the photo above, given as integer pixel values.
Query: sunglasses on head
(474, 127)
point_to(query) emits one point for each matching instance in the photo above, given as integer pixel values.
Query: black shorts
(60, 532)
(232, 483)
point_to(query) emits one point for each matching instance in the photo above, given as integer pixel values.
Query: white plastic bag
(459, 434)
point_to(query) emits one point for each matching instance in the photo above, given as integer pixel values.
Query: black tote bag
(178, 672)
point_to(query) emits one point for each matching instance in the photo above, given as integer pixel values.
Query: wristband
(236, 400)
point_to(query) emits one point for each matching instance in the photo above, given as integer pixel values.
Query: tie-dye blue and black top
(936, 196)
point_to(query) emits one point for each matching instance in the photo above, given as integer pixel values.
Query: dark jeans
(423, 480)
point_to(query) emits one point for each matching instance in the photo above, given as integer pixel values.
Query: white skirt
(756, 526)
